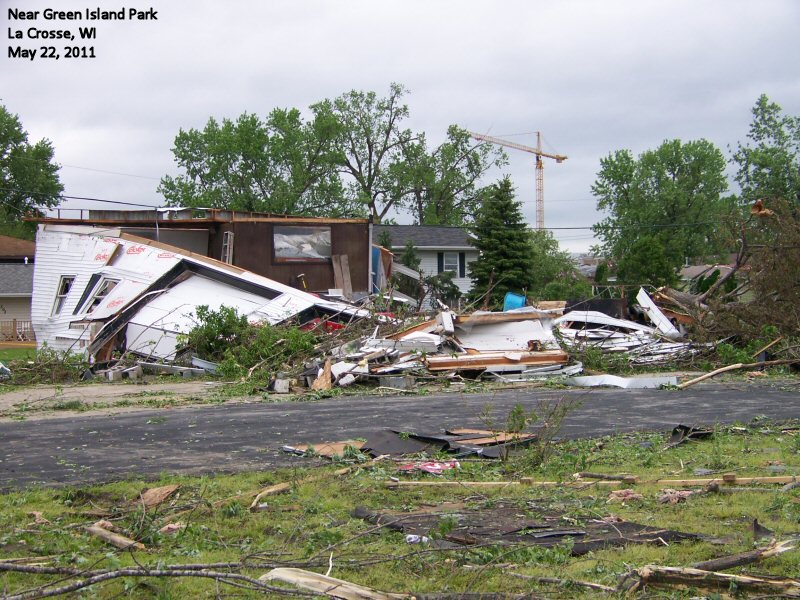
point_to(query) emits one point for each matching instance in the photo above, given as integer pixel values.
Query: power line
(40, 160)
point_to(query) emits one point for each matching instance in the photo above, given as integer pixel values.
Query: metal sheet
(629, 383)
(656, 317)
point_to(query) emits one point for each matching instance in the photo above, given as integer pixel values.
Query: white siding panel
(18, 308)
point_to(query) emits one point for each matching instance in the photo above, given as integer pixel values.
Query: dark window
(64, 286)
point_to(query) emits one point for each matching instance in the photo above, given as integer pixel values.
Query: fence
(17, 330)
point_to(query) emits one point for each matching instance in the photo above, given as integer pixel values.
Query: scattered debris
(461, 442)
(509, 524)
(682, 433)
(670, 496)
(626, 495)
(155, 496)
(434, 467)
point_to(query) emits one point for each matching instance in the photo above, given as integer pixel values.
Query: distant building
(438, 248)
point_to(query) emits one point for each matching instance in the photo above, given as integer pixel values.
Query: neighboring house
(438, 248)
(16, 288)
(314, 254)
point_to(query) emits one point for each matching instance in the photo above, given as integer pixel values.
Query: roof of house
(16, 279)
(183, 216)
(11, 247)
(424, 236)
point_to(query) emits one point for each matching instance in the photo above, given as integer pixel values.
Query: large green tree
(370, 139)
(505, 261)
(29, 181)
(554, 275)
(284, 164)
(664, 206)
(352, 157)
(440, 187)
(768, 164)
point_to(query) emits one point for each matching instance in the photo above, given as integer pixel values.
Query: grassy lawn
(312, 526)
(9, 353)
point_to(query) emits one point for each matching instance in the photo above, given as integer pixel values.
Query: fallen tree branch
(680, 577)
(565, 582)
(737, 366)
(724, 563)
(90, 578)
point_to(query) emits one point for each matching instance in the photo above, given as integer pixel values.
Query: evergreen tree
(505, 262)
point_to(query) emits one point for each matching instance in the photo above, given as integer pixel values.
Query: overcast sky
(593, 76)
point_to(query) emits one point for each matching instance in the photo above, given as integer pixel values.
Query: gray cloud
(593, 76)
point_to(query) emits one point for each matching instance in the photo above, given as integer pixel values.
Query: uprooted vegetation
(487, 526)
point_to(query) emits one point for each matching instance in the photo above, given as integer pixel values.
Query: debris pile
(520, 344)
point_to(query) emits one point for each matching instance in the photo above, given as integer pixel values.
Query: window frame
(285, 230)
(61, 296)
(455, 271)
(95, 299)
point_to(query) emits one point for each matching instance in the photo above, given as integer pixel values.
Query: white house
(439, 249)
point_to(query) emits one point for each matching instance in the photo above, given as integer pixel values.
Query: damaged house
(99, 289)
(311, 254)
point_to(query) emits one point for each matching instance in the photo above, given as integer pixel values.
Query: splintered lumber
(492, 359)
(330, 586)
(324, 381)
(681, 577)
(115, 539)
(724, 563)
(155, 496)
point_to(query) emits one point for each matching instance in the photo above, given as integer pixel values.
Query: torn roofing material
(153, 289)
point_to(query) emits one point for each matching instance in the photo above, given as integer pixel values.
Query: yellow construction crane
(539, 166)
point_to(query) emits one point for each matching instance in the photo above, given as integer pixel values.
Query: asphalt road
(242, 437)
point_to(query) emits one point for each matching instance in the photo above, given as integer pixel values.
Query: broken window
(64, 286)
(102, 290)
(301, 244)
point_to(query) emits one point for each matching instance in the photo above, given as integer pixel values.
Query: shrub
(228, 338)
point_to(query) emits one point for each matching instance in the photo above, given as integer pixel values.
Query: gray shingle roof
(424, 236)
(16, 279)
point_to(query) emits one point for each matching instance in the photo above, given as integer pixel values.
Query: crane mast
(539, 166)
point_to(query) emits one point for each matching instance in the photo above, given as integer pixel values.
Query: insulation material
(516, 335)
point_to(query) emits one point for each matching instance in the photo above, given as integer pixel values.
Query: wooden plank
(490, 359)
(497, 317)
(488, 484)
(347, 284)
(338, 279)
(724, 480)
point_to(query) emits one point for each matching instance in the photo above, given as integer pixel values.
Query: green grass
(9, 354)
(314, 520)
